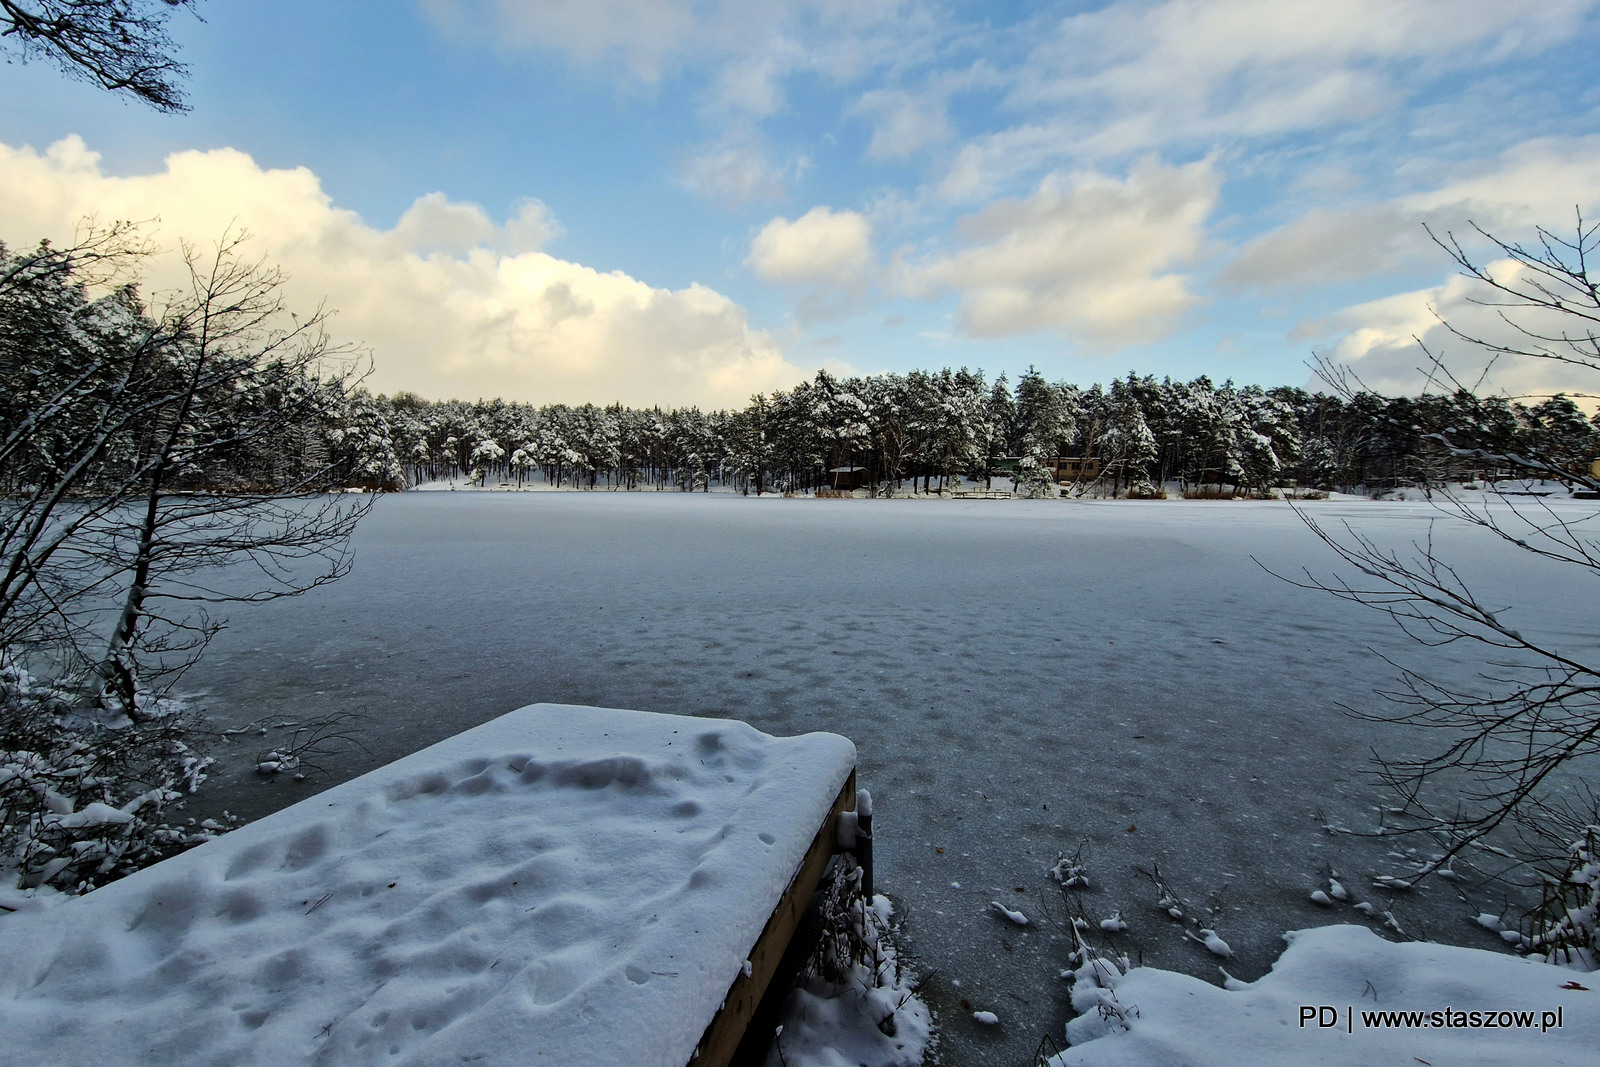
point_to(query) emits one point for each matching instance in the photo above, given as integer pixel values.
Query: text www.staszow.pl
(1327, 1016)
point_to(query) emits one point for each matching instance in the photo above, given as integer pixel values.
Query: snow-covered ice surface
(1018, 676)
(561, 885)
(1321, 1004)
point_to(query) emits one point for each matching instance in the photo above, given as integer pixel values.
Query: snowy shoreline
(1340, 996)
(1523, 492)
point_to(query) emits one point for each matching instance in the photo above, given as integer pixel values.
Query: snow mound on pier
(559, 885)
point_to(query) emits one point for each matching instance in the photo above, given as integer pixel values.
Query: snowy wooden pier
(727, 1029)
(559, 885)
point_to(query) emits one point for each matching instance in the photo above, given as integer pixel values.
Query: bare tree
(79, 376)
(155, 463)
(244, 380)
(1510, 744)
(121, 45)
(152, 464)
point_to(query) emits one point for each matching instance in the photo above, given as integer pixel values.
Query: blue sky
(687, 202)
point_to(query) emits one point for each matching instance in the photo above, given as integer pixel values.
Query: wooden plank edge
(726, 1029)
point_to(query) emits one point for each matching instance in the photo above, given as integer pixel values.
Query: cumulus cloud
(1087, 254)
(1534, 183)
(1379, 341)
(452, 303)
(433, 221)
(530, 228)
(821, 246)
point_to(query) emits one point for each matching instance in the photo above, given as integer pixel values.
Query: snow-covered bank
(1340, 996)
(561, 885)
(1521, 492)
(865, 1011)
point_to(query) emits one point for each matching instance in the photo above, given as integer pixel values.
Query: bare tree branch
(120, 45)
(1533, 717)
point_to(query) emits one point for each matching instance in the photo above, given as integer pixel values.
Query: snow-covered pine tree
(1127, 448)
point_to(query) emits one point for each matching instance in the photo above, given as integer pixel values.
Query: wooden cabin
(1070, 469)
(1064, 469)
(848, 478)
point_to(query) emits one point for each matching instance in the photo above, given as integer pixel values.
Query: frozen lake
(1020, 678)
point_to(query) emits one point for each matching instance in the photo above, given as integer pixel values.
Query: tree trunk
(119, 688)
(118, 671)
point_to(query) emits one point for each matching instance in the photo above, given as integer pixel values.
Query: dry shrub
(83, 804)
(1202, 492)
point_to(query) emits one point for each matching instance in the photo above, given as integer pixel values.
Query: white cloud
(904, 123)
(1124, 79)
(907, 121)
(753, 86)
(531, 228)
(733, 174)
(987, 162)
(1257, 66)
(1138, 76)
(1538, 182)
(1330, 245)
(1090, 255)
(451, 304)
(646, 34)
(1378, 341)
(752, 44)
(821, 246)
(435, 223)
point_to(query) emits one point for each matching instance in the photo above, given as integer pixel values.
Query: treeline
(103, 397)
(100, 397)
(927, 428)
